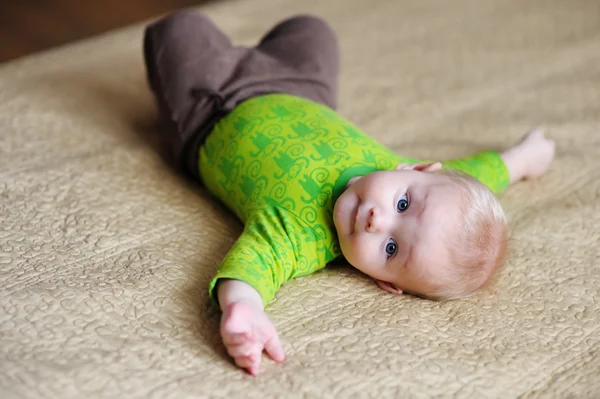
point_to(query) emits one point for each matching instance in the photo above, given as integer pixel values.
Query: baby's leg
(307, 50)
(245, 328)
(187, 60)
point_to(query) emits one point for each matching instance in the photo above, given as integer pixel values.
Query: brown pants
(198, 76)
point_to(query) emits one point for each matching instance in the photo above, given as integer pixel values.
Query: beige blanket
(105, 253)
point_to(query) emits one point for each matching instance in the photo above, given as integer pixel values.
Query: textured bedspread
(106, 253)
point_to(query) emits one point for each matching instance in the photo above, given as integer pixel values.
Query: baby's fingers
(241, 350)
(250, 363)
(274, 349)
(236, 338)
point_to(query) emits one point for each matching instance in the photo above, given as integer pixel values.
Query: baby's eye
(390, 248)
(403, 203)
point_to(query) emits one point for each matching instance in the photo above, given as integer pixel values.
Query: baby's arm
(245, 328)
(526, 160)
(253, 270)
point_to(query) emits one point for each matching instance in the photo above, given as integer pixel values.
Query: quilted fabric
(106, 253)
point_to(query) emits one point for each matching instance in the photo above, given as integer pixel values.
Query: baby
(257, 127)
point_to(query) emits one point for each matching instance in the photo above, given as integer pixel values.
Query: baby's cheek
(359, 255)
(346, 248)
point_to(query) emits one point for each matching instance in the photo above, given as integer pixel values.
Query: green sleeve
(487, 167)
(272, 249)
(257, 260)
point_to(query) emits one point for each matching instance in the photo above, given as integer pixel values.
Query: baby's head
(421, 230)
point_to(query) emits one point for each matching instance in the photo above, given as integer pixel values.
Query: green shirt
(280, 162)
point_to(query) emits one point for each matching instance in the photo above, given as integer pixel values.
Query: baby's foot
(247, 331)
(531, 158)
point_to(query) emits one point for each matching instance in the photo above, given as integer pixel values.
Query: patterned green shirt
(280, 162)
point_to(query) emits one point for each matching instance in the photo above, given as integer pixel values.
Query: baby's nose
(376, 221)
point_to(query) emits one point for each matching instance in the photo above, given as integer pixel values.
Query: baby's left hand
(531, 158)
(538, 152)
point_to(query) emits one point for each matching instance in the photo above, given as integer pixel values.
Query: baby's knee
(181, 25)
(309, 26)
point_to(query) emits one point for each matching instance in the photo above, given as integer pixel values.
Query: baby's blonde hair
(477, 249)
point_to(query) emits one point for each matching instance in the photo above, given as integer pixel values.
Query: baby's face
(389, 225)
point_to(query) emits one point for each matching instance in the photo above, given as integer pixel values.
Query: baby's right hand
(246, 331)
(531, 158)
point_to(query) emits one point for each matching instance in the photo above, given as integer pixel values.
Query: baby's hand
(247, 331)
(538, 152)
(531, 158)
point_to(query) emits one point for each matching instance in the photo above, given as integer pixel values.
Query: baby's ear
(353, 180)
(389, 287)
(420, 167)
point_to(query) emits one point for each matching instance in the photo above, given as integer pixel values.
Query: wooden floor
(28, 26)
